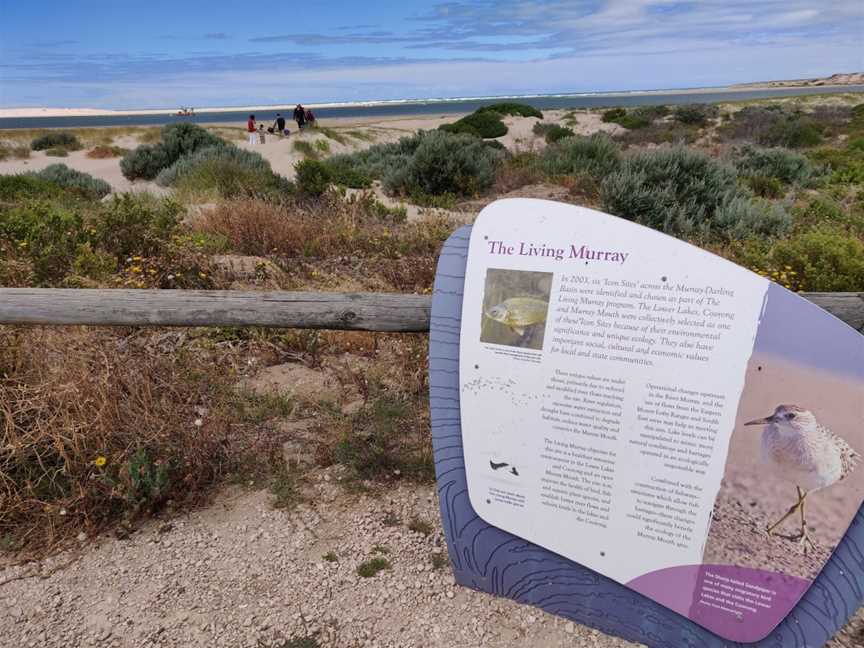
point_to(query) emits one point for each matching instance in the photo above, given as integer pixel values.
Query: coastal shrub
(20, 152)
(378, 160)
(695, 114)
(57, 152)
(26, 185)
(684, 192)
(93, 264)
(846, 165)
(139, 224)
(145, 162)
(740, 216)
(102, 152)
(785, 166)
(557, 133)
(823, 210)
(613, 115)
(512, 108)
(541, 128)
(773, 126)
(312, 177)
(177, 140)
(445, 164)
(56, 139)
(62, 176)
(347, 174)
(596, 155)
(47, 233)
(480, 124)
(823, 259)
(764, 186)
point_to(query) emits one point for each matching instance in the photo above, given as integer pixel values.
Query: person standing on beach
(300, 116)
(280, 124)
(252, 130)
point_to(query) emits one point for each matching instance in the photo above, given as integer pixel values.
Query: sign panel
(650, 411)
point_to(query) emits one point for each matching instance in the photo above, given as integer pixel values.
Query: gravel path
(243, 574)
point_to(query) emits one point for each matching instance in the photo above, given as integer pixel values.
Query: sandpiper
(801, 450)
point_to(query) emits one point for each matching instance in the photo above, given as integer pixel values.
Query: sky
(168, 53)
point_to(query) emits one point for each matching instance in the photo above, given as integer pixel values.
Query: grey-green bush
(63, 176)
(684, 193)
(787, 166)
(596, 155)
(375, 162)
(512, 108)
(313, 177)
(56, 139)
(146, 161)
(696, 114)
(221, 152)
(480, 124)
(445, 164)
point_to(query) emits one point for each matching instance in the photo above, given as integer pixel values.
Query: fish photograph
(515, 306)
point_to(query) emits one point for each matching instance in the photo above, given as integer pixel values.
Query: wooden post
(339, 311)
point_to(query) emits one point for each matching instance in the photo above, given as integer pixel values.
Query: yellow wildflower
(100, 461)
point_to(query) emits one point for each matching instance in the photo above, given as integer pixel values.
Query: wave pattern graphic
(490, 560)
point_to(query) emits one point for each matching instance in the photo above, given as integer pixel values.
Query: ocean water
(409, 108)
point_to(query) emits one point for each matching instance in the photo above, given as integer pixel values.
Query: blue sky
(159, 53)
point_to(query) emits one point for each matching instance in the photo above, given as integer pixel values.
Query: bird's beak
(762, 421)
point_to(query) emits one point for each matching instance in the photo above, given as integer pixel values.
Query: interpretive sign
(645, 409)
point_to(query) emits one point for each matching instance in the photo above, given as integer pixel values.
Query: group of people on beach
(303, 116)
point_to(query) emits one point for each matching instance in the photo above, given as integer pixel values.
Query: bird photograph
(792, 484)
(805, 453)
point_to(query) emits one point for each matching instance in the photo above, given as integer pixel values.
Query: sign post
(642, 437)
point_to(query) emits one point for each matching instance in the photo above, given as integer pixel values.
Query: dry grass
(99, 427)
(102, 152)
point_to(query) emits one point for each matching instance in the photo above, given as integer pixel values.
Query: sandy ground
(752, 497)
(241, 574)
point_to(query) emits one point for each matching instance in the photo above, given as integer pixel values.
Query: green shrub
(57, 152)
(512, 108)
(26, 185)
(557, 133)
(93, 264)
(695, 114)
(63, 176)
(379, 160)
(47, 233)
(372, 566)
(786, 166)
(145, 162)
(846, 165)
(773, 126)
(824, 259)
(343, 172)
(443, 163)
(313, 177)
(479, 124)
(135, 224)
(224, 170)
(596, 155)
(794, 132)
(822, 210)
(633, 121)
(764, 186)
(56, 139)
(178, 140)
(613, 115)
(683, 192)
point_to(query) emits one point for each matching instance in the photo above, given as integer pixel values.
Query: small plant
(371, 567)
(55, 140)
(283, 486)
(58, 151)
(313, 177)
(381, 549)
(764, 186)
(439, 560)
(419, 525)
(558, 133)
(330, 557)
(322, 146)
(822, 259)
(21, 152)
(102, 152)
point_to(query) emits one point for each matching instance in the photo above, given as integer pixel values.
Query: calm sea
(427, 107)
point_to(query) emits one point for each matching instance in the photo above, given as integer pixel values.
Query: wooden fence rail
(339, 311)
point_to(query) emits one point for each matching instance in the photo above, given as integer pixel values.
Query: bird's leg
(788, 513)
(805, 540)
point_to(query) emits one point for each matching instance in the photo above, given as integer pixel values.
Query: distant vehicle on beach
(185, 112)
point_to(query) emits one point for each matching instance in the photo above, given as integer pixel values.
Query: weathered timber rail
(389, 312)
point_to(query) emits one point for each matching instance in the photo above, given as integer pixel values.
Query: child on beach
(261, 134)
(251, 130)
